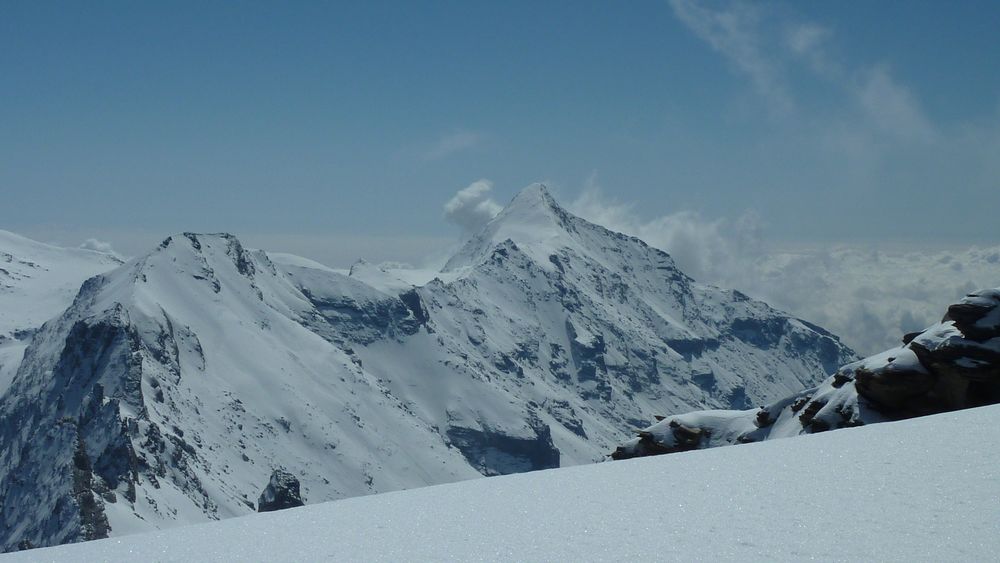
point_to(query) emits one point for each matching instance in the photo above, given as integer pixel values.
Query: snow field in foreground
(925, 489)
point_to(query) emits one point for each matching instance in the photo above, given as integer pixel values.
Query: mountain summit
(177, 384)
(535, 222)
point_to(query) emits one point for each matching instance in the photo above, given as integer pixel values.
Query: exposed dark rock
(344, 318)
(281, 492)
(892, 388)
(977, 315)
(799, 403)
(762, 420)
(683, 438)
(839, 379)
(412, 301)
(762, 333)
(494, 452)
(93, 520)
(567, 416)
(809, 414)
(686, 436)
(692, 347)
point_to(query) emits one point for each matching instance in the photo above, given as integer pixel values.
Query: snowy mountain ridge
(175, 384)
(37, 282)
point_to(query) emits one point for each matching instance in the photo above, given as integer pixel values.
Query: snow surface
(925, 489)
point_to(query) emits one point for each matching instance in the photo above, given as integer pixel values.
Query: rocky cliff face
(952, 365)
(174, 384)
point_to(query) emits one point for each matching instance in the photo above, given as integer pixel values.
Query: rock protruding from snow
(495, 452)
(951, 365)
(281, 492)
(977, 315)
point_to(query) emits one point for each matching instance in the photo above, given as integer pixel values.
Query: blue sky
(340, 129)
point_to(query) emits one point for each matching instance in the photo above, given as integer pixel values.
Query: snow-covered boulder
(952, 365)
(281, 492)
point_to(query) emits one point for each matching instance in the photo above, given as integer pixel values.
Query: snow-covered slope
(175, 385)
(954, 364)
(926, 489)
(37, 282)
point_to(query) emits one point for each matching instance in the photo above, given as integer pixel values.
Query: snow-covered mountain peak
(209, 248)
(535, 224)
(532, 199)
(215, 260)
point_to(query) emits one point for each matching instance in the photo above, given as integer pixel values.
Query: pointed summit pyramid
(533, 222)
(534, 200)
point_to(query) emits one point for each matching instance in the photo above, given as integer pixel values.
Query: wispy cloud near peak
(780, 54)
(472, 207)
(734, 33)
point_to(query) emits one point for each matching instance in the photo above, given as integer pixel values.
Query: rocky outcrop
(952, 365)
(281, 492)
(497, 452)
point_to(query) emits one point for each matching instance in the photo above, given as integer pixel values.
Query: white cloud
(767, 46)
(97, 245)
(703, 248)
(451, 144)
(806, 39)
(472, 207)
(735, 33)
(892, 107)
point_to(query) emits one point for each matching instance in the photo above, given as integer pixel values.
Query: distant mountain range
(171, 387)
